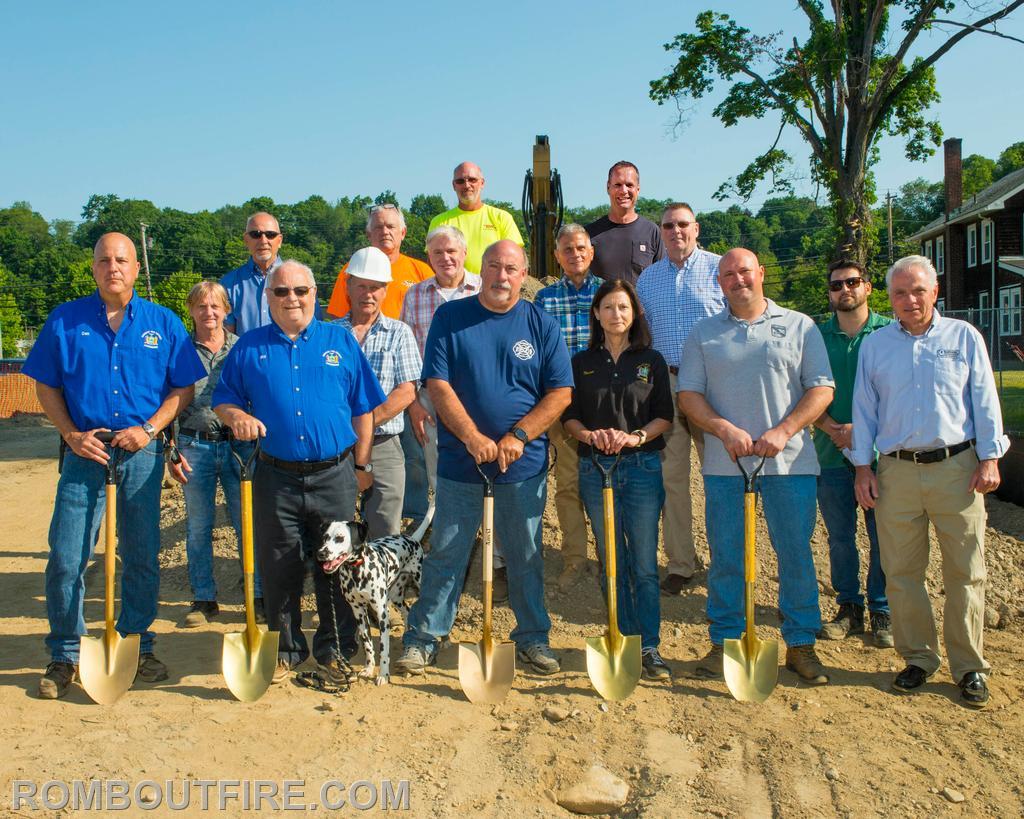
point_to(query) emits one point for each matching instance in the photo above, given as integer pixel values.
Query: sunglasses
(270, 234)
(282, 292)
(674, 225)
(463, 180)
(850, 283)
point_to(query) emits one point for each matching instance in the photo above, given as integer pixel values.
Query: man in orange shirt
(385, 230)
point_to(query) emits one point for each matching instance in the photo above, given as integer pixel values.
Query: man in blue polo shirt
(246, 285)
(498, 374)
(304, 387)
(108, 361)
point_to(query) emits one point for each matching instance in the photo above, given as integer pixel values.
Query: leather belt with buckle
(222, 435)
(930, 456)
(305, 467)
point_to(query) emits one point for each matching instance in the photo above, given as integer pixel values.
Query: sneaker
(201, 613)
(415, 659)
(151, 670)
(973, 690)
(674, 584)
(499, 589)
(540, 658)
(711, 666)
(259, 612)
(849, 620)
(881, 629)
(804, 661)
(336, 671)
(55, 683)
(282, 670)
(655, 668)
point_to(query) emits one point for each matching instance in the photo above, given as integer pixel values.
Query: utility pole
(145, 261)
(888, 203)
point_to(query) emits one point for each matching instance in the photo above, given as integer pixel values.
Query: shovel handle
(606, 474)
(246, 464)
(750, 478)
(488, 561)
(488, 481)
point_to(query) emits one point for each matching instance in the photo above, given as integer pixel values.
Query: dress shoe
(973, 690)
(674, 584)
(910, 679)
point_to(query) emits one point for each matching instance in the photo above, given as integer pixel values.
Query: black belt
(223, 435)
(674, 370)
(380, 439)
(930, 456)
(304, 467)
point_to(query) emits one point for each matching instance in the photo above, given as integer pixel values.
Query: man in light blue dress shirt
(925, 397)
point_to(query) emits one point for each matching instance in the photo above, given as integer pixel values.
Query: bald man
(110, 361)
(480, 223)
(754, 377)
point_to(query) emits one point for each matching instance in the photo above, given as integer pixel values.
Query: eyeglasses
(270, 234)
(282, 292)
(850, 283)
(674, 225)
(385, 206)
(466, 180)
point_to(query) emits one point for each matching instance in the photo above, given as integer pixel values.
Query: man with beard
(852, 322)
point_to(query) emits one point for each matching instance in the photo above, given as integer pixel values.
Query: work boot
(258, 611)
(55, 683)
(849, 620)
(201, 613)
(674, 584)
(572, 573)
(337, 671)
(881, 629)
(499, 589)
(804, 661)
(655, 668)
(282, 670)
(415, 659)
(540, 659)
(151, 670)
(711, 666)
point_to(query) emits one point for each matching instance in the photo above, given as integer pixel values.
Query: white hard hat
(370, 263)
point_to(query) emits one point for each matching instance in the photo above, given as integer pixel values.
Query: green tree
(173, 291)
(12, 326)
(1011, 159)
(978, 173)
(845, 86)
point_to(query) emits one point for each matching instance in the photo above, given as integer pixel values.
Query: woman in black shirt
(622, 403)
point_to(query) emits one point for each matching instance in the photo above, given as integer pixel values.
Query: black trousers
(290, 512)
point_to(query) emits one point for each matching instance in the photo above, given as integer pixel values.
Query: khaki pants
(677, 513)
(569, 507)
(909, 496)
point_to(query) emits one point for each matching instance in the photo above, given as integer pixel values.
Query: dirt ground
(851, 748)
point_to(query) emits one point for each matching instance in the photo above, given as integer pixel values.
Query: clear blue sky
(195, 105)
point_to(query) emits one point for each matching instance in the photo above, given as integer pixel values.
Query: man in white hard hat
(394, 357)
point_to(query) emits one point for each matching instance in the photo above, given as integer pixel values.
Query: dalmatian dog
(374, 574)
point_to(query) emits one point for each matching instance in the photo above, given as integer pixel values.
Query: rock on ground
(599, 791)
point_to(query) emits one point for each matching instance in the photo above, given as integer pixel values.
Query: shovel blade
(249, 669)
(486, 679)
(107, 665)
(751, 675)
(614, 672)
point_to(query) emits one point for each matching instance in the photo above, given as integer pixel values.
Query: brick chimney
(954, 174)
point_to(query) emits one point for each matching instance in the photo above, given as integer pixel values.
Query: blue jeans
(639, 495)
(415, 503)
(839, 511)
(211, 461)
(75, 526)
(518, 511)
(789, 510)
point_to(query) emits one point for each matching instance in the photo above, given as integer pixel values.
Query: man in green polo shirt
(852, 321)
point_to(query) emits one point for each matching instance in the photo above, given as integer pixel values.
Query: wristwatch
(367, 468)
(149, 429)
(520, 435)
(641, 434)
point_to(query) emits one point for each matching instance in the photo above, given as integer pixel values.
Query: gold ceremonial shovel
(487, 668)
(107, 665)
(750, 665)
(613, 660)
(249, 657)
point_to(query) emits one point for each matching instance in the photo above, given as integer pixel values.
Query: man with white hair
(385, 228)
(480, 223)
(925, 398)
(305, 389)
(246, 285)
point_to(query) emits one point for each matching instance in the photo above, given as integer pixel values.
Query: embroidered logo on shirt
(643, 373)
(332, 358)
(86, 333)
(151, 339)
(953, 354)
(523, 350)
(643, 248)
(588, 372)
(778, 331)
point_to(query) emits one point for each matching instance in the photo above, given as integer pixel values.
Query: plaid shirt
(572, 309)
(390, 348)
(423, 299)
(676, 298)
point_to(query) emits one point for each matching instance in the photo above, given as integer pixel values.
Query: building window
(986, 240)
(1009, 310)
(940, 255)
(985, 308)
(928, 250)
(972, 245)
(940, 305)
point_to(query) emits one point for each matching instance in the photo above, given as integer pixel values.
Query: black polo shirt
(626, 395)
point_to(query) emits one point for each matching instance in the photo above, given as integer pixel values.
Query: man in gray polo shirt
(754, 377)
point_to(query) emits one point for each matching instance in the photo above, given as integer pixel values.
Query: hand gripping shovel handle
(488, 559)
(610, 556)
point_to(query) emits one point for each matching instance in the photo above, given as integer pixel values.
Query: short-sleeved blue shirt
(500, 365)
(113, 380)
(304, 391)
(247, 292)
